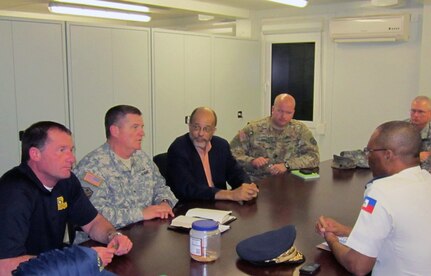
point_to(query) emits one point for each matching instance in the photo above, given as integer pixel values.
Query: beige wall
(425, 65)
(363, 84)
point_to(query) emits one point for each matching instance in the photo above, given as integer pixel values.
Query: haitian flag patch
(369, 204)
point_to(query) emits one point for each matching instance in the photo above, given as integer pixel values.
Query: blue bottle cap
(205, 225)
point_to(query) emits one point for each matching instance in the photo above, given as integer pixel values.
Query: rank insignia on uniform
(368, 205)
(93, 179)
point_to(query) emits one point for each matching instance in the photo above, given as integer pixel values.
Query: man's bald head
(284, 98)
(282, 111)
(400, 137)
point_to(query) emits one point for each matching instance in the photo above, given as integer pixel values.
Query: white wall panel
(40, 75)
(236, 84)
(182, 81)
(107, 66)
(9, 144)
(32, 80)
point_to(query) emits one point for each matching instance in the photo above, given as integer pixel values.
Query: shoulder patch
(242, 136)
(87, 191)
(369, 204)
(93, 179)
(313, 141)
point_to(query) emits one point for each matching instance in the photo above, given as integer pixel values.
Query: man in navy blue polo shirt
(41, 195)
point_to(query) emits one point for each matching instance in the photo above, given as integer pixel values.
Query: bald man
(390, 236)
(275, 144)
(420, 117)
(200, 164)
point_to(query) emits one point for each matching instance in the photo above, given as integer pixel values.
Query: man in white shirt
(389, 236)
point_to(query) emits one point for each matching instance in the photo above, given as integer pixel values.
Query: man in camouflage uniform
(121, 180)
(420, 116)
(275, 144)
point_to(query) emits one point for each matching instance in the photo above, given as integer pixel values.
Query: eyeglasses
(206, 129)
(368, 151)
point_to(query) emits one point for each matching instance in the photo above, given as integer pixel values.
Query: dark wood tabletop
(282, 200)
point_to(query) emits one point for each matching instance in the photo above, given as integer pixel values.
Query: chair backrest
(161, 161)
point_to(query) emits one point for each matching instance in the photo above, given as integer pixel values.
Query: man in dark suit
(200, 164)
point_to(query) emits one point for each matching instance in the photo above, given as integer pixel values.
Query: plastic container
(205, 241)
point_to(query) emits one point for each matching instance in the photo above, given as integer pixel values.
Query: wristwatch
(287, 165)
(113, 234)
(100, 264)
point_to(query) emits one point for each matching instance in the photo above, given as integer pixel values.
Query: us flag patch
(93, 179)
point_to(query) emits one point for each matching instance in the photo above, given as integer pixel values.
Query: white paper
(217, 215)
(325, 246)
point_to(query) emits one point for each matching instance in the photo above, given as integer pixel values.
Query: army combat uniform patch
(93, 179)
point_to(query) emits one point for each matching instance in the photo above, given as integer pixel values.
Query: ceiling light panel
(295, 3)
(60, 8)
(107, 4)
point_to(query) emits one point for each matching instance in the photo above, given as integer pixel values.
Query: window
(292, 64)
(292, 70)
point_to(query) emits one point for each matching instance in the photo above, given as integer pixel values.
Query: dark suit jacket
(186, 175)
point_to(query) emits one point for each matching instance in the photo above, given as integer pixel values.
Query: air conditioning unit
(376, 28)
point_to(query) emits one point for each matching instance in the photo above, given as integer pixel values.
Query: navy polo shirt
(33, 218)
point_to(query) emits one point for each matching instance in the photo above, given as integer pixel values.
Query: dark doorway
(292, 70)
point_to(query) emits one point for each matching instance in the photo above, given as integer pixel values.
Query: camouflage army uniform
(118, 193)
(294, 145)
(426, 145)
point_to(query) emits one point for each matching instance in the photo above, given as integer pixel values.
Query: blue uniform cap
(271, 247)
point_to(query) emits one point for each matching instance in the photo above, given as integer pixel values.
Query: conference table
(283, 199)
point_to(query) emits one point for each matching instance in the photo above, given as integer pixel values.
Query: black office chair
(161, 161)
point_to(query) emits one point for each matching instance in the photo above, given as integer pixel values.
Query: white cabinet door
(40, 72)
(236, 84)
(9, 143)
(107, 66)
(181, 81)
(197, 73)
(32, 80)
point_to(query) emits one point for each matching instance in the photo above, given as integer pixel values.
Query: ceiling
(172, 9)
(173, 12)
